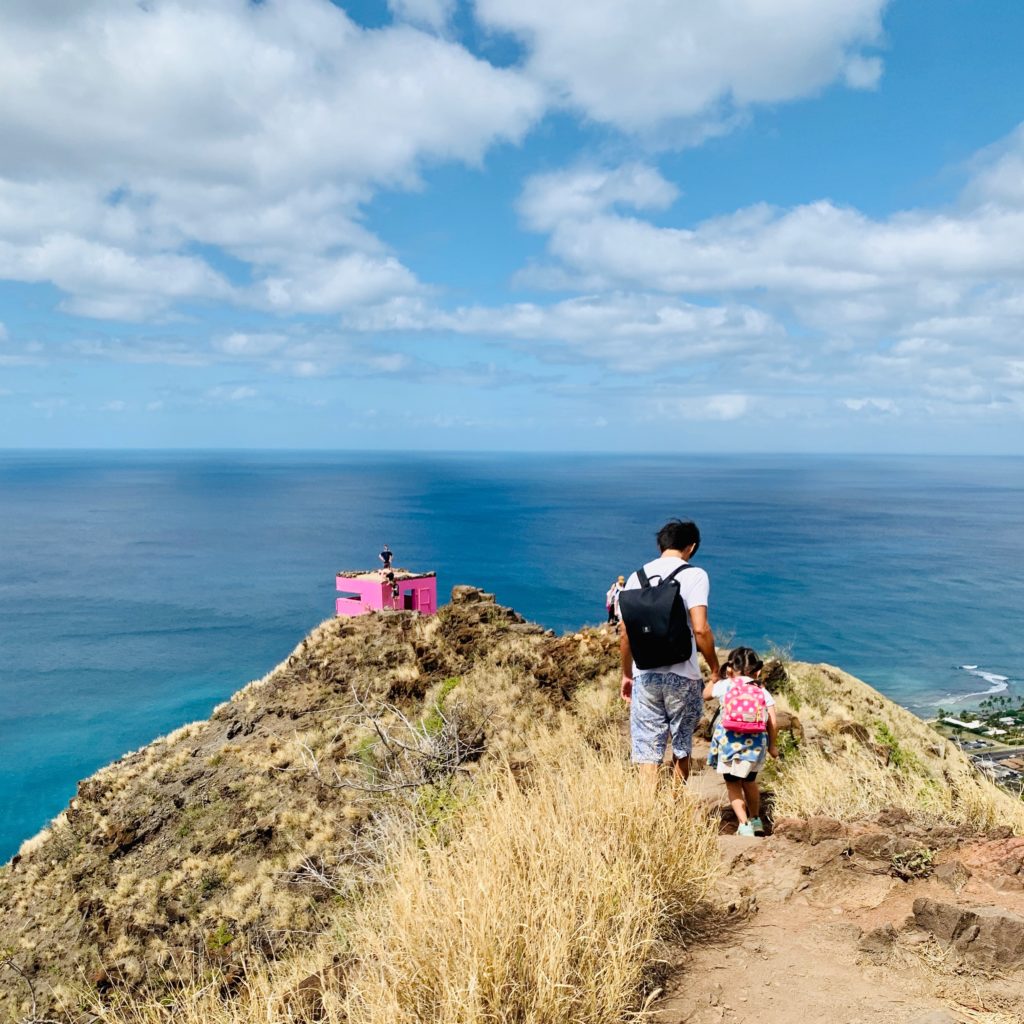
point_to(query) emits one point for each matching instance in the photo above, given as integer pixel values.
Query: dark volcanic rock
(989, 936)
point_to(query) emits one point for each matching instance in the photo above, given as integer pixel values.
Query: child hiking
(744, 735)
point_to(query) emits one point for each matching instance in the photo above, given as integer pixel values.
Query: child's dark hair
(744, 661)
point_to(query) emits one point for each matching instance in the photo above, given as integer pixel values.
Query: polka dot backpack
(744, 708)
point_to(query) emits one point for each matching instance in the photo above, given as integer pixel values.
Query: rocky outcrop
(991, 937)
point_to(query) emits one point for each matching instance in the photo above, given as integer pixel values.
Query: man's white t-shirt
(693, 588)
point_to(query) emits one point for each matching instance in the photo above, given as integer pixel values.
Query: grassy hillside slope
(418, 820)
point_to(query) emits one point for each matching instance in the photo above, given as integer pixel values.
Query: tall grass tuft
(546, 907)
(542, 900)
(852, 784)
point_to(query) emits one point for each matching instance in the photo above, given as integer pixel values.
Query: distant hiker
(744, 735)
(664, 612)
(611, 599)
(385, 556)
(394, 589)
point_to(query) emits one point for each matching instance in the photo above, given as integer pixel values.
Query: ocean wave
(997, 684)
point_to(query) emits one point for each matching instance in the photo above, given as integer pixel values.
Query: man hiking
(666, 700)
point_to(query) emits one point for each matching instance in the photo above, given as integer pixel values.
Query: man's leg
(649, 774)
(684, 702)
(680, 769)
(648, 726)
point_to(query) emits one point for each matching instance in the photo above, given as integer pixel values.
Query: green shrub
(899, 756)
(219, 938)
(433, 722)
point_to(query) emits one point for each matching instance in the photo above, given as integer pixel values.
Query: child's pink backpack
(744, 708)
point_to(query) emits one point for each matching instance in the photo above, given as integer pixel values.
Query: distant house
(957, 724)
(995, 732)
(1008, 721)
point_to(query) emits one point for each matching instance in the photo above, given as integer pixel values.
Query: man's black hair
(678, 535)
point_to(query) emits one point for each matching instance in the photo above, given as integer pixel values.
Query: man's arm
(773, 733)
(627, 664)
(705, 639)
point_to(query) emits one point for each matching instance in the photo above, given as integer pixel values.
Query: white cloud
(919, 312)
(640, 64)
(134, 133)
(108, 281)
(816, 248)
(434, 14)
(325, 286)
(999, 172)
(226, 92)
(882, 405)
(550, 199)
(141, 351)
(862, 72)
(308, 352)
(720, 408)
(240, 343)
(634, 332)
(230, 393)
(49, 407)
(930, 302)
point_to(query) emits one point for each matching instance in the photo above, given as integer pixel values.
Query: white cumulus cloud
(433, 14)
(643, 63)
(550, 199)
(137, 134)
(930, 301)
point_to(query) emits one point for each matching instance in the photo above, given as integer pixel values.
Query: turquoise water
(137, 590)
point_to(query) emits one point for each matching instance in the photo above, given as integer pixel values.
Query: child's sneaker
(746, 829)
(755, 824)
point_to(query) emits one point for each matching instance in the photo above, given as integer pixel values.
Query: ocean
(140, 589)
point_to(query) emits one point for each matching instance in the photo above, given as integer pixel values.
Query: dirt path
(792, 950)
(789, 962)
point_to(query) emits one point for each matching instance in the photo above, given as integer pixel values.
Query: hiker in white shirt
(611, 599)
(667, 701)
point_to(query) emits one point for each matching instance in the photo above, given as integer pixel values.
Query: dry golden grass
(853, 784)
(971, 994)
(546, 907)
(839, 775)
(543, 903)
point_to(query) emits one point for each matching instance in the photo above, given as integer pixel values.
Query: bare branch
(7, 960)
(413, 754)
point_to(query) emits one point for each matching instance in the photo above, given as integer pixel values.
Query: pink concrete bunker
(377, 590)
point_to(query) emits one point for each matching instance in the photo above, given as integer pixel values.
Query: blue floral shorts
(663, 705)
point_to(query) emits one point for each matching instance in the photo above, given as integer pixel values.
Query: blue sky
(779, 225)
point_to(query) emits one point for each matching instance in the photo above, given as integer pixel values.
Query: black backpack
(657, 621)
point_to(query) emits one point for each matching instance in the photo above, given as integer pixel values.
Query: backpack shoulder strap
(675, 572)
(645, 580)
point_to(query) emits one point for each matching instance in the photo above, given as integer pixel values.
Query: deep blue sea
(138, 590)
